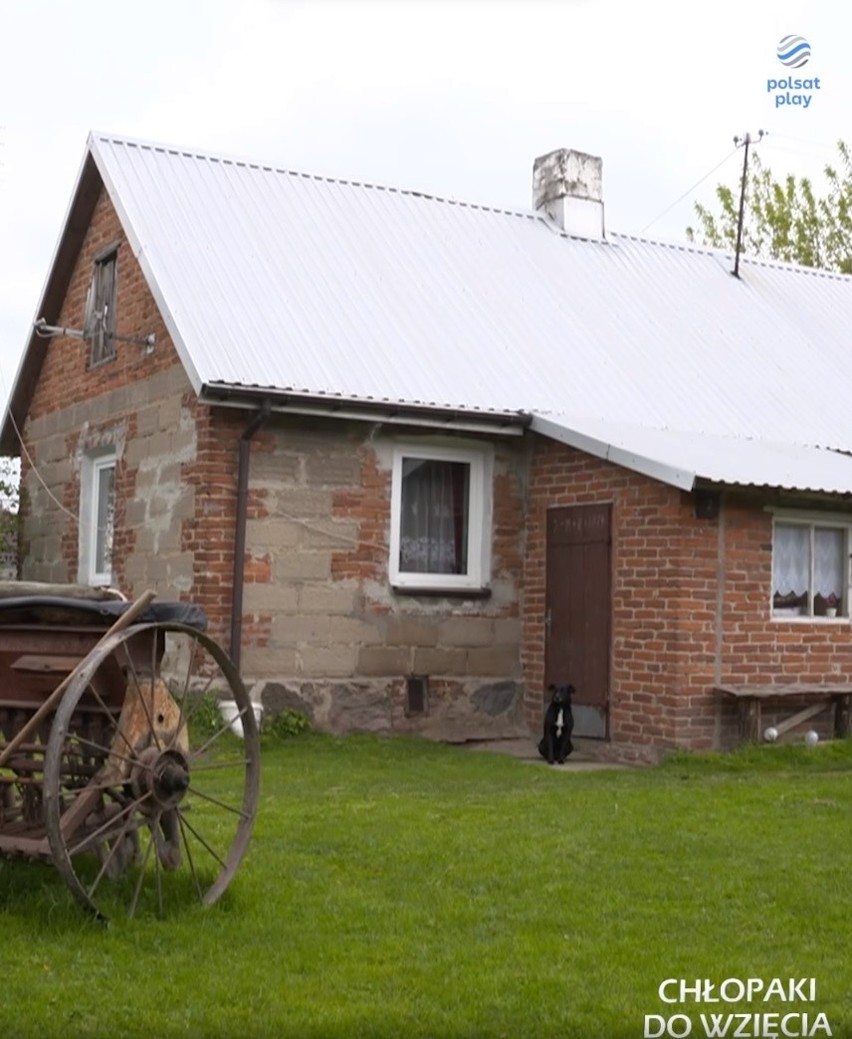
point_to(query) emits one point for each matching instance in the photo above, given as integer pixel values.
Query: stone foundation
(455, 710)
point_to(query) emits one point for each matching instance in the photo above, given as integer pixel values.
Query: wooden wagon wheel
(142, 801)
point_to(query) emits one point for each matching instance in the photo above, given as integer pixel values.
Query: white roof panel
(680, 458)
(270, 278)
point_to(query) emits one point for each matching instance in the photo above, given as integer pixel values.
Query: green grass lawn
(399, 888)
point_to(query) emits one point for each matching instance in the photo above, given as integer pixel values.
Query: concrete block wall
(152, 497)
(323, 630)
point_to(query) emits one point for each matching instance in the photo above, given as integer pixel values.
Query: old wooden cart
(106, 770)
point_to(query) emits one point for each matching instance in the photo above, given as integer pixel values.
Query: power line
(11, 415)
(787, 151)
(688, 192)
(802, 140)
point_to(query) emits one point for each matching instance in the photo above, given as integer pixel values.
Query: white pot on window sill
(831, 611)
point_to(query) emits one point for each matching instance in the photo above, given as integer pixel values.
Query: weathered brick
(275, 597)
(323, 468)
(326, 597)
(295, 630)
(326, 661)
(412, 631)
(272, 533)
(352, 630)
(302, 566)
(466, 631)
(439, 661)
(147, 421)
(275, 661)
(334, 534)
(383, 660)
(502, 663)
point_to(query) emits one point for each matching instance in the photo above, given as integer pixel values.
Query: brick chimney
(567, 186)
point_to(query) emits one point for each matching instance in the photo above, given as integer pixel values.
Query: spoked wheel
(149, 798)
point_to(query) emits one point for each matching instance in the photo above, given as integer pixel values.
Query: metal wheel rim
(59, 731)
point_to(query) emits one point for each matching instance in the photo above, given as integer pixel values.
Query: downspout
(243, 462)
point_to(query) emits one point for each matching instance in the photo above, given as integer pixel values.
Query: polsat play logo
(793, 52)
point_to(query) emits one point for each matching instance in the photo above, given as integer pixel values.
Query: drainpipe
(244, 459)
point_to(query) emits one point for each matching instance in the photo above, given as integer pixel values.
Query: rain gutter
(243, 464)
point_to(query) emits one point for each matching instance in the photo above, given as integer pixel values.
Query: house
(418, 458)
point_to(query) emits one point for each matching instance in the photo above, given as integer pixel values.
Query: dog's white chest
(560, 722)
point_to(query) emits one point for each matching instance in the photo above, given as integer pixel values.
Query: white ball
(811, 738)
(770, 734)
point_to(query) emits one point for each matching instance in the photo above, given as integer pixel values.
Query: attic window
(100, 307)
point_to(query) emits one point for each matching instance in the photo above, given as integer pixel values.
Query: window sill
(446, 593)
(96, 580)
(799, 618)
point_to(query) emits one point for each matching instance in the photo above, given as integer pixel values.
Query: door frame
(595, 717)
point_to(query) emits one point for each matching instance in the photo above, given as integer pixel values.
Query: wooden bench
(750, 698)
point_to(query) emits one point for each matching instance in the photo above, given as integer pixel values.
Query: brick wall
(663, 602)
(139, 404)
(321, 628)
(763, 651)
(67, 379)
(690, 606)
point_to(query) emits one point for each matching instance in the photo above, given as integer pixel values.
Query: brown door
(578, 608)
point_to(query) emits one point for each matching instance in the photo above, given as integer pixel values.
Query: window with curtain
(104, 518)
(434, 516)
(441, 515)
(809, 569)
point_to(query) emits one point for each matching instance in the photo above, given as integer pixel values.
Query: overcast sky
(450, 97)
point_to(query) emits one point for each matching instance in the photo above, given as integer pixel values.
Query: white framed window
(97, 518)
(441, 505)
(810, 566)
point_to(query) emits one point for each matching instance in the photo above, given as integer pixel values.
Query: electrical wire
(688, 191)
(28, 456)
(34, 468)
(802, 140)
(781, 148)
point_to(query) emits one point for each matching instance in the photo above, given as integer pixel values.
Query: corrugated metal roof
(681, 458)
(270, 278)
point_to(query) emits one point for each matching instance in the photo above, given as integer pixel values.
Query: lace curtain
(434, 516)
(105, 519)
(792, 560)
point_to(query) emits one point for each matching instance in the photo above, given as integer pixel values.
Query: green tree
(10, 476)
(785, 220)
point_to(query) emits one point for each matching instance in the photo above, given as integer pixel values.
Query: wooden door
(578, 610)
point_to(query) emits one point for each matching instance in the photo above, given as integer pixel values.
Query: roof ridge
(752, 261)
(254, 164)
(526, 214)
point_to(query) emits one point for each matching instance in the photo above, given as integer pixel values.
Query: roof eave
(511, 423)
(674, 476)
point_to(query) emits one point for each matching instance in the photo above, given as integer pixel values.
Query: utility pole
(745, 141)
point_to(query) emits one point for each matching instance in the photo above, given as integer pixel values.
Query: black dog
(556, 743)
